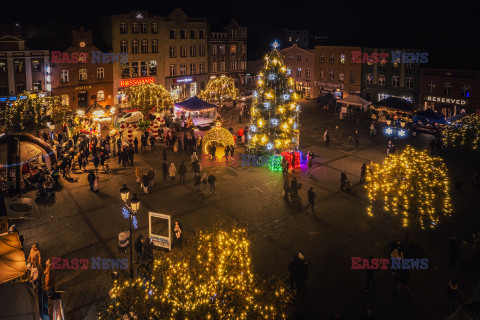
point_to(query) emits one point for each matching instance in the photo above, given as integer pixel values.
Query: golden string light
(220, 89)
(412, 185)
(464, 132)
(147, 96)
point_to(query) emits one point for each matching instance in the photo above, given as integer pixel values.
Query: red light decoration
(289, 157)
(136, 82)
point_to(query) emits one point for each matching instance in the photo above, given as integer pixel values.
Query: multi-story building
(78, 77)
(171, 51)
(300, 65)
(17, 30)
(450, 91)
(335, 71)
(390, 78)
(22, 69)
(298, 37)
(227, 53)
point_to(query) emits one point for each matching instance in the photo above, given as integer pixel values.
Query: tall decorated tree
(148, 96)
(274, 114)
(220, 89)
(463, 133)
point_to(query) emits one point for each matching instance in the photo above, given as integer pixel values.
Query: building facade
(77, 77)
(390, 78)
(22, 69)
(450, 91)
(300, 65)
(227, 54)
(298, 37)
(335, 71)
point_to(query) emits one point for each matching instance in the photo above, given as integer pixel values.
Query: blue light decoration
(255, 94)
(134, 222)
(253, 128)
(275, 45)
(266, 105)
(389, 131)
(271, 76)
(289, 71)
(286, 96)
(402, 133)
(126, 213)
(21, 163)
(274, 122)
(295, 126)
(269, 146)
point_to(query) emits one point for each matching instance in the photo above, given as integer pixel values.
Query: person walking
(165, 171)
(227, 152)
(49, 279)
(172, 171)
(135, 144)
(310, 166)
(363, 172)
(373, 130)
(369, 276)
(165, 154)
(211, 182)
(326, 138)
(452, 290)
(139, 247)
(95, 183)
(145, 183)
(204, 183)
(178, 235)
(150, 176)
(96, 162)
(182, 170)
(311, 199)
(232, 150)
(389, 147)
(293, 269)
(194, 160)
(35, 257)
(343, 180)
(91, 180)
(197, 181)
(152, 142)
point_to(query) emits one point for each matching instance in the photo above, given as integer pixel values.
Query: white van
(131, 117)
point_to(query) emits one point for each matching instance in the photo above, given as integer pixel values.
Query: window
(201, 50)
(332, 58)
(431, 86)
(342, 59)
(3, 88)
(123, 46)
(447, 88)
(173, 70)
(82, 74)
(192, 68)
(193, 34)
(143, 27)
(123, 27)
(244, 48)
(64, 76)
(19, 66)
(183, 51)
(299, 57)
(172, 52)
(233, 65)
(233, 33)
(65, 100)
(37, 85)
(183, 34)
(144, 46)
(143, 69)
(381, 79)
(331, 74)
(36, 66)
(214, 50)
(465, 90)
(125, 67)
(134, 69)
(20, 87)
(353, 77)
(152, 67)
(307, 72)
(201, 67)
(243, 65)
(3, 67)
(134, 46)
(100, 73)
(202, 34)
(154, 27)
(369, 78)
(193, 51)
(214, 67)
(100, 95)
(222, 49)
(233, 49)
(321, 73)
(172, 33)
(341, 75)
(299, 72)
(134, 27)
(409, 82)
(322, 58)
(183, 69)
(289, 71)
(396, 81)
(222, 66)
(154, 46)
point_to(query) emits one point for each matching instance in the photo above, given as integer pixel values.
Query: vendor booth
(352, 106)
(94, 119)
(199, 111)
(393, 111)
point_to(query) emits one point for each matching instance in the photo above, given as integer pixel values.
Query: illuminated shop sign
(183, 80)
(445, 100)
(383, 96)
(136, 82)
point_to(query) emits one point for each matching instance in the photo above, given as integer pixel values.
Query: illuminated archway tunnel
(217, 135)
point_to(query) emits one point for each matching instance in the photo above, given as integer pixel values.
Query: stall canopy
(428, 116)
(195, 104)
(355, 101)
(12, 258)
(96, 110)
(18, 301)
(396, 104)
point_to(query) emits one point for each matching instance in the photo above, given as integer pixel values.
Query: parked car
(130, 117)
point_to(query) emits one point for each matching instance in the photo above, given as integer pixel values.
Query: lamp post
(132, 211)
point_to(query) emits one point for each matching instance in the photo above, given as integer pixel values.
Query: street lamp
(131, 212)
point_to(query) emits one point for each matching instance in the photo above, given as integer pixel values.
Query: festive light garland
(148, 96)
(275, 162)
(289, 157)
(217, 134)
(210, 279)
(463, 132)
(220, 89)
(26, 161)
(413, 185)
(274, 112)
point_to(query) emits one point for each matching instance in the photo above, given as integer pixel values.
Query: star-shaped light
(275, 45)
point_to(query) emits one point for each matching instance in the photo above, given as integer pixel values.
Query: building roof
(194, 104)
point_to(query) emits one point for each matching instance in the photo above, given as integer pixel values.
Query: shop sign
(183, 80)
(136, 82)
(446, 100)
(83, 87)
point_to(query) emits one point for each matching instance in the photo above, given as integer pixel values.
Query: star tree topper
(275, 45)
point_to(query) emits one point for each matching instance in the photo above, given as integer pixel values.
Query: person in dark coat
(311, 198)
(182, 170)
(363, 172)
(131, 155)
(165, 154)
(139, 247)
(369, 276)
(343, 180)
(91, 179)
(165, 171)
(227, 152)
(232, 150)
(211, 182)
(453, 293)
(152, 142)
(135, 144)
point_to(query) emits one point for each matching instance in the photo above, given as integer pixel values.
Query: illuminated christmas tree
(274, 114)
(209, 278)
(412, 185)
(146, 97)
(464, 132)
(220, 89)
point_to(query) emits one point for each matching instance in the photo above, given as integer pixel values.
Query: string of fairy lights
(147, 96)
(412, 185)
(464, 132)
(213, 279)
(274, 113)
(220, 89)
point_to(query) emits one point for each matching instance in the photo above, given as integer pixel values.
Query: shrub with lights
(220, 89)
(274, 113)
(148, 96)
(412, 185)
(210, 278)
(464, 132)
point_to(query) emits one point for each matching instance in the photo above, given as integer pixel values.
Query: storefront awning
(355, 101)
(195, 104)
(396, 104)
(12, 258)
